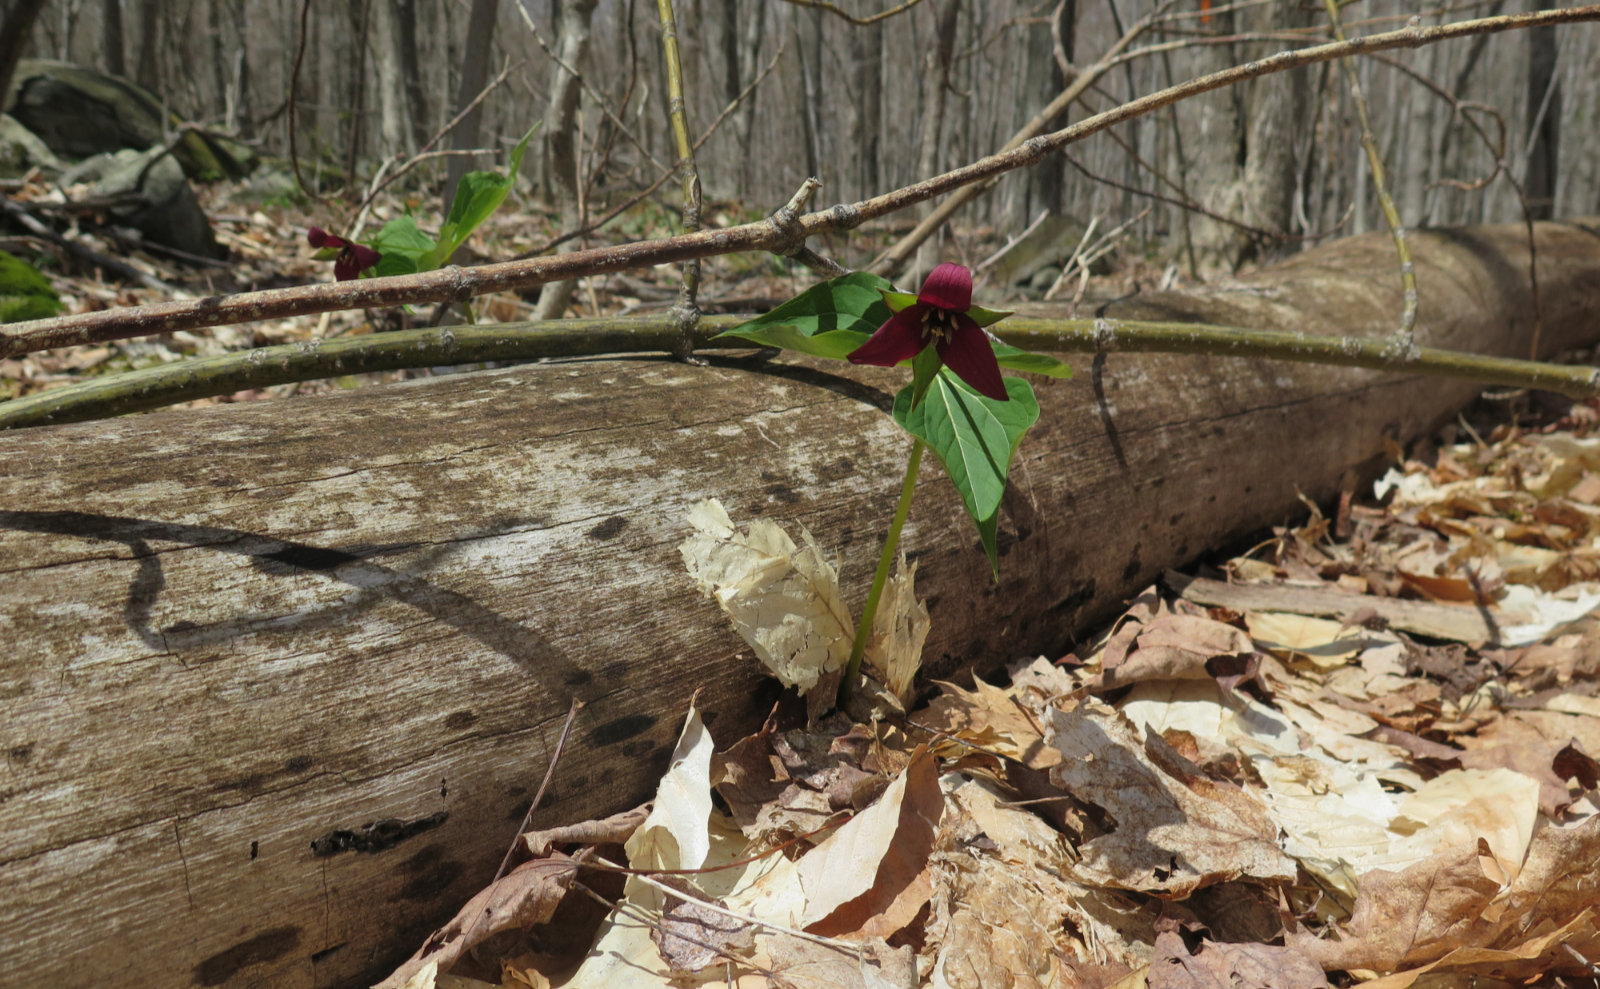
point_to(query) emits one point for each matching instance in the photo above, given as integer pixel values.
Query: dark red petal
(318, 237)
(898, 339)
(971, 357)
(948, 286)
(366, 257)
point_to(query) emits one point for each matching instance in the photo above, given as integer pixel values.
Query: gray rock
(155, 199)
(21, 150)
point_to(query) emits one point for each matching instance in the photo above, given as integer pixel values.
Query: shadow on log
(282, 676)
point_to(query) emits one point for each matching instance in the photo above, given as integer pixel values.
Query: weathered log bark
(281, 676)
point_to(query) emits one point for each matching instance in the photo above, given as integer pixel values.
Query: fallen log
(283, 675)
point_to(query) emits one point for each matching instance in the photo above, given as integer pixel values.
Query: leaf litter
(1362, 753)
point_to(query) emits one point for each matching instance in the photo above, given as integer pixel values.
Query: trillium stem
(891, 543)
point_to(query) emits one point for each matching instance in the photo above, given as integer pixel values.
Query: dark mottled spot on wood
(622, 729)
(255, 850)
(326, 953)
(299, 763)
(458, 720)
(431, 883)
(1132, 569)
(1175, 519)
(444, 789)
(377, 836)
(609, 528)
(177, 628)
(841, 468)
(638, 748)
(264, 947)
(783, 493)
(21, 753)
(578, 678)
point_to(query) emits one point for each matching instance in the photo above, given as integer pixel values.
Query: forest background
(867, 107)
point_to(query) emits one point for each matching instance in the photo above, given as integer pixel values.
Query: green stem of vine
(891, 543)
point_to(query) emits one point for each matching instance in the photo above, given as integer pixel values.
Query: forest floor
(1357, 753)
(1360, 751)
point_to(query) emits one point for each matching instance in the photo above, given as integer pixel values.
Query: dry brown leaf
(1229, 966)
(525, 896)
(613, 830)
(1446, 903)
(872, 868)
(988, 716)
(1176, 830)
(802, 964)
(692, 937)
(1181, 647)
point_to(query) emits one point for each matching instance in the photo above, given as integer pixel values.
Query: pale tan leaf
(676, 835)
(872, 863)
(899, 629)
(783, 600)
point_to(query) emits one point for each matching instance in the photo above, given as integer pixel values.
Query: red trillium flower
(351, 258)
(941, 316)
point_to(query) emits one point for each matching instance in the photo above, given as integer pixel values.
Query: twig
(20, 213)
(544, 784)
(846, 946)
(451, 284)
(424, 152)
(1404, 337)
(169, 384)
(599, 100)
(687, 312)
(294, 90)
(892, 261)
(838, 11)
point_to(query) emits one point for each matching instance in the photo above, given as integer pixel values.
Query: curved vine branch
(169, 384)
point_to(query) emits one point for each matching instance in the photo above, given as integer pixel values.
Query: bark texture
(282, 676)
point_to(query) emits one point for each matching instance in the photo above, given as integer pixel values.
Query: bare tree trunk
(394, 117)
(14, 38)
(1275, 110)
(111, 37)
(935, 98)
(405, 22)
(1544, 122)
(147, 72)
(281, 676)
(564, 185)
(866, 51)
(474, 76)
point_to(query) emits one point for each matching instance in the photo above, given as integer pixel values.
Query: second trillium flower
(349, 258)
(942, 316)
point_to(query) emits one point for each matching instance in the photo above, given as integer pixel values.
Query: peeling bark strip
(258, 624)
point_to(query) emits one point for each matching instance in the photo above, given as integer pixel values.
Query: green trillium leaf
(896, 301)
(988, 317)
(827, 320)
(974, 438)
(1018, 359)
(403, 246)
(477, 196)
